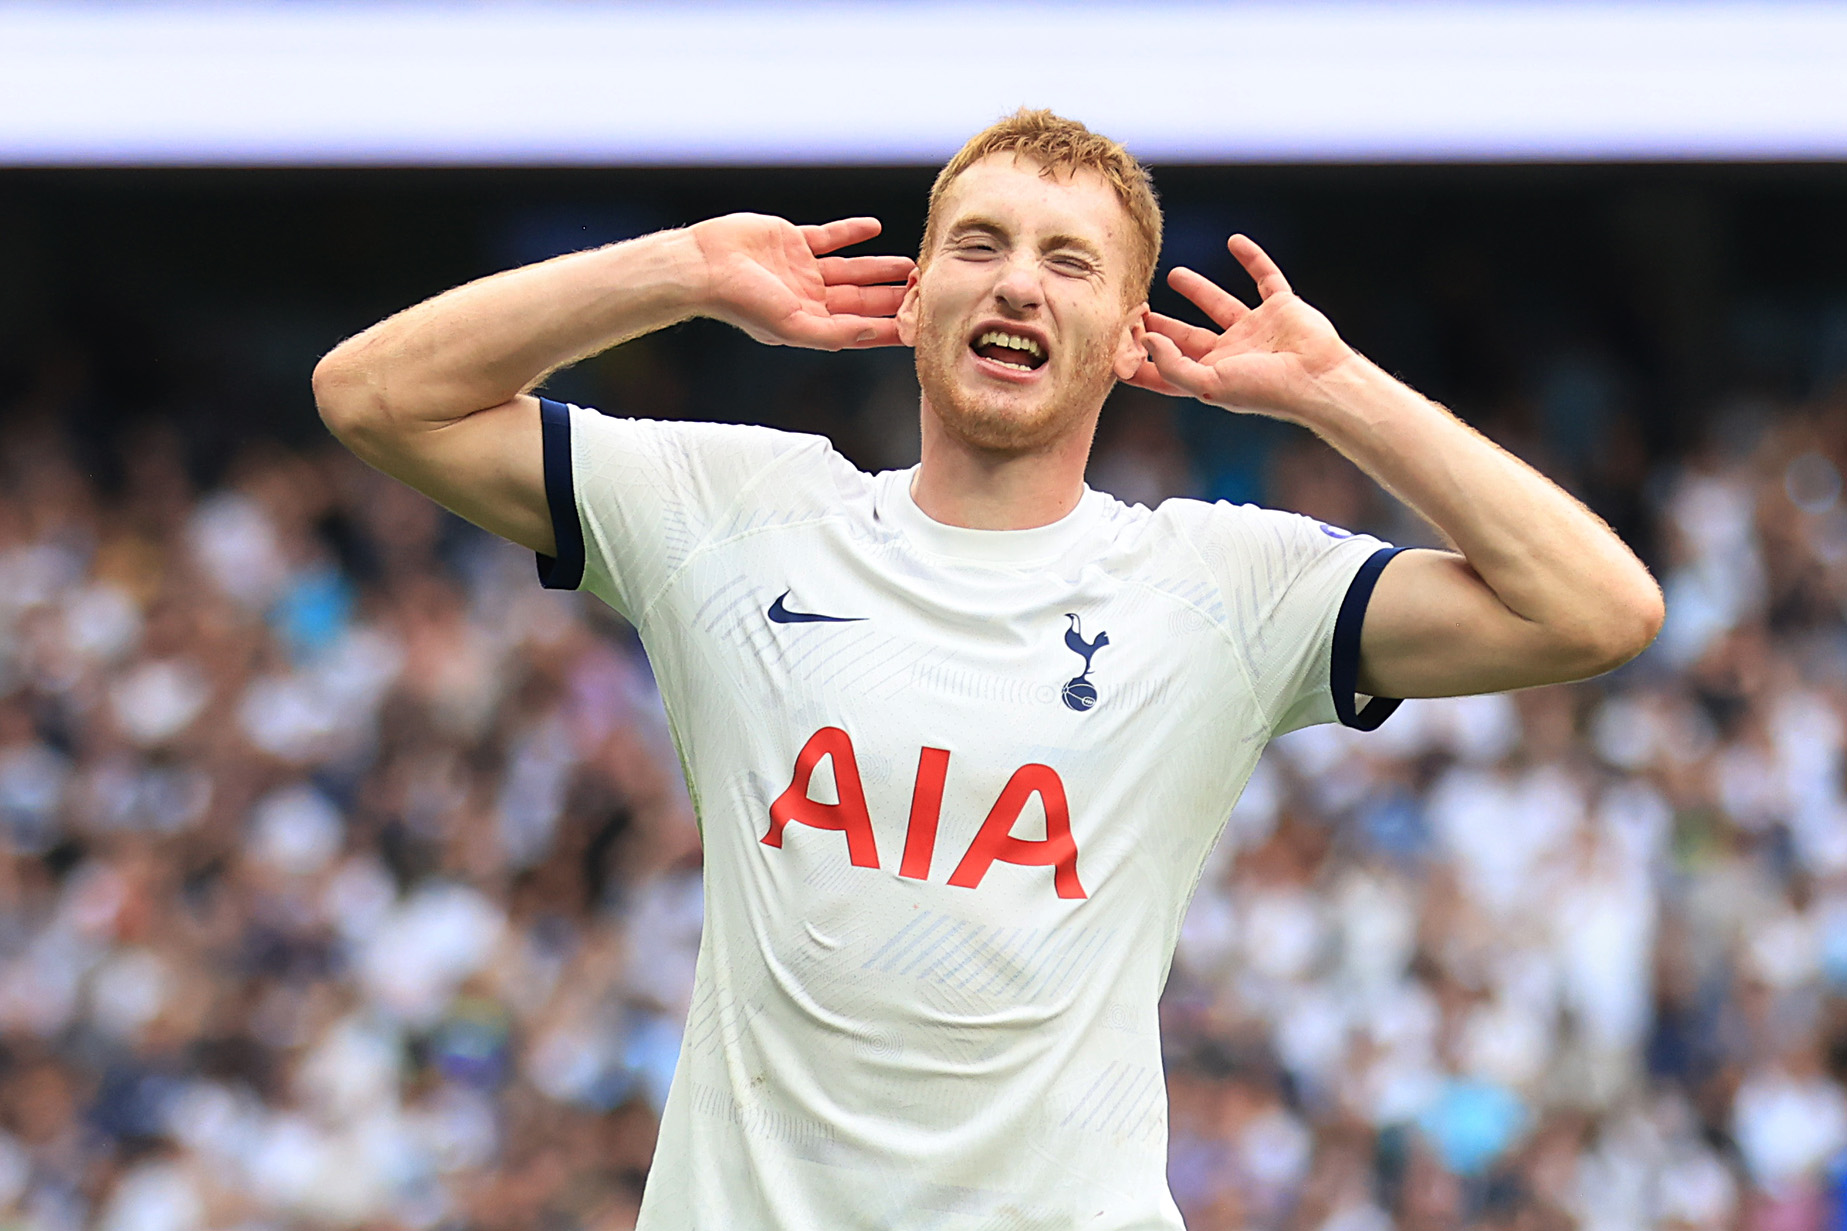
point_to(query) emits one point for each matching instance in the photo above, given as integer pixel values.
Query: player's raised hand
(1264, 359)
(776, 281)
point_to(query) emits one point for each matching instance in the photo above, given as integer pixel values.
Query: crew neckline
(991, 546)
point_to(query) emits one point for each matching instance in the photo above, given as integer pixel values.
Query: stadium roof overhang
(804, 82)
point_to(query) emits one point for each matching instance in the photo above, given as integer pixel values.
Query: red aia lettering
(926, 808)
(995, 841)
(849, 816)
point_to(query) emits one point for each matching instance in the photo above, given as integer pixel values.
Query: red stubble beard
(1008, 419)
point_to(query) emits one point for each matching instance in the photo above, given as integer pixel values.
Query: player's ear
(1131, 347)
(907, 311)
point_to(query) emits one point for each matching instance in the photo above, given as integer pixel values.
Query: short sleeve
(631, 500)
(1295, 592)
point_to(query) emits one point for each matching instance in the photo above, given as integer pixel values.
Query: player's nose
(1019, 288)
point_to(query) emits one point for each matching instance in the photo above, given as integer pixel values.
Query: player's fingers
(840, 332)
(827, 237)
(1215, 301)
(1191, 339)
(871, 331)
(1258, 265)
(1187, 376)
(1149, 377)
(864, 300)
(865, 270)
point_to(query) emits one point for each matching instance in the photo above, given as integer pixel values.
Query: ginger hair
(1061, 145)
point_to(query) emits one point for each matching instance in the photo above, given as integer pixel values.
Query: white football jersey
(956, 788)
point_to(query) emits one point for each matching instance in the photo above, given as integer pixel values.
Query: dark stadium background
(1662, 338)
(206, 295)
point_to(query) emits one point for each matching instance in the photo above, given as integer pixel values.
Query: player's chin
(1003, 424)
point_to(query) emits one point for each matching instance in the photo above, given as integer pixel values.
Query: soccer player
(961, 737)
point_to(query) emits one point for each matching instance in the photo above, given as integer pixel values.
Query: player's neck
(980, 489)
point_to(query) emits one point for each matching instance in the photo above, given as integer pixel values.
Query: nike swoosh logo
(780, 614)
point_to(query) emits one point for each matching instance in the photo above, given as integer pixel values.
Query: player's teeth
(1013, 342)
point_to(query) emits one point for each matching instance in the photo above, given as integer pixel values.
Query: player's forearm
(1544, 555)
(482, 344)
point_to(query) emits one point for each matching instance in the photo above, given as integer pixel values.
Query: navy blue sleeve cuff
(1344, 678)
(564, 571)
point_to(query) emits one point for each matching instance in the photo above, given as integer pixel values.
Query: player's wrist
(699, 255)
(648, 282)
(1352, 384)
(683, 274)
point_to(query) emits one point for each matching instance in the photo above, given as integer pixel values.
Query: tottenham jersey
(956, 788)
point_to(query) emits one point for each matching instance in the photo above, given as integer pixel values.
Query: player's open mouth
(1010, 349)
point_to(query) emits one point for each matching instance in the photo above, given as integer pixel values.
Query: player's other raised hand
(777, 282)
(1264, 359)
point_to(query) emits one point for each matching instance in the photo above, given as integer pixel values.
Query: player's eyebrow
(1077, 243)
(981, 224)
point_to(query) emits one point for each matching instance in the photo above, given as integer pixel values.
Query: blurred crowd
(347, 879)
(1572, 957)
